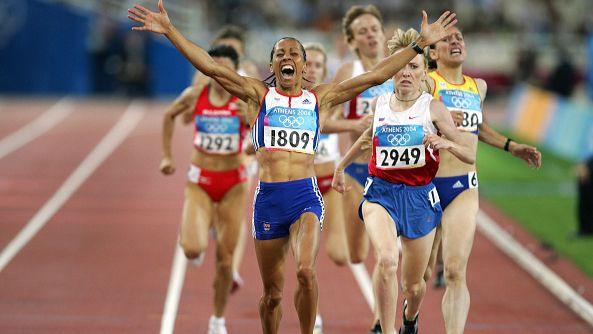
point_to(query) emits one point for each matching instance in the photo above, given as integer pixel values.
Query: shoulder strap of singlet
(357, 68)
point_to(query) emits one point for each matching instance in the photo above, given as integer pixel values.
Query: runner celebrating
(285, 121)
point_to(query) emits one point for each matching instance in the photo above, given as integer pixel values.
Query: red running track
(102, 263)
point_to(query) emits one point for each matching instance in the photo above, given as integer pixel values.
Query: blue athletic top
(287, 123)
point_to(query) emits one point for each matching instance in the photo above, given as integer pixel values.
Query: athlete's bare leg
(459, 225)
(197, 217)
(336, 243)
(240, 249)
(383, 237)
(415, 255)
(358, 240)
(228, 226)
(434, 254)
(271, 255)
(304, 242)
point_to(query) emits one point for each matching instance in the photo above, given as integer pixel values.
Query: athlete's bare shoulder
(482, 87)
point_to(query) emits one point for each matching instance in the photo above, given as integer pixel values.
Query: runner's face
(408, 79)
(450, 50)
(315, 67)
(234, 43)
(288, 63)
(369, 38)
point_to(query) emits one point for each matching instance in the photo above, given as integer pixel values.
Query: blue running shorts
(450, 187)
(358, 171)
(278, 205)
(415, 210)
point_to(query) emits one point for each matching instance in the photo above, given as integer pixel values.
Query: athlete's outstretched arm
(182, 104)
(242, 87)
(455, 142)
(334, 94)
(491, 137)
(362, 145)
(528, 153)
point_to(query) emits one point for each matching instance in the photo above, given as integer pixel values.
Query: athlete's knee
(339, 257)
(387, 263)
(306, 276)
(191, 250)
(427, 274)
(455, 271)
(356, 258)
(413, 289)
(272, 298)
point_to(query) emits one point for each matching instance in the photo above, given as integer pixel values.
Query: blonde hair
(313, 46)
(402, 39)
(353, 13)
(316, 47)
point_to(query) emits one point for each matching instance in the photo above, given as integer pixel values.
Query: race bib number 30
(217, 135)
(400, 146)
(467, 103)
(290, 129)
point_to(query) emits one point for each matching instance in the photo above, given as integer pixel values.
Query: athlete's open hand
(530, 154)
(434, 32)
(437, 142)
(156, 22)
(339, 181)
(167, 166)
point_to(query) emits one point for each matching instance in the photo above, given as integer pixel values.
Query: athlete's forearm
(192, 52)
(491, 137)
(168, 126)
(362, 145)
(463, 150)
(338, 125)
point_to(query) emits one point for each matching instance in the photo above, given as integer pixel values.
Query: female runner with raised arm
(457, 181)
(399, 197)
(285, 118)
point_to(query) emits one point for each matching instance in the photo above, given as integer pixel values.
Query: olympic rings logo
(398, 139)
(291, 121)
(215, 127)
(460, 102)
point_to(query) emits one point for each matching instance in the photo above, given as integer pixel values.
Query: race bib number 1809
(290, 129)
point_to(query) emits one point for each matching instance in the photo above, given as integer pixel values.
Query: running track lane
(102, 263)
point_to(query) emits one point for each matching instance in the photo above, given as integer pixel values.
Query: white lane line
(364, 283)
(102, 151)
(50, 118)
(174, 291)
(532, 265)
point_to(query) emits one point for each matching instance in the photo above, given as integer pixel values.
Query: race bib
(467, 103)
(323, 149)
(433, 197)
(472, 180)
(217, 135)
(365, 99)
(400, 146)
(290, 129)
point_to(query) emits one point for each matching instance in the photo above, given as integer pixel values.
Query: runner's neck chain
(410, 100)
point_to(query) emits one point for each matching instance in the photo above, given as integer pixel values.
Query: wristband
(416, 48)
(507, 143)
